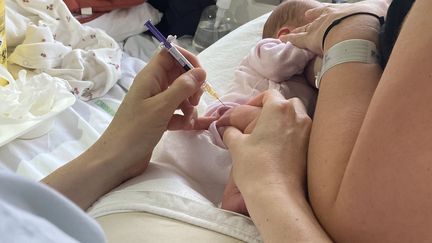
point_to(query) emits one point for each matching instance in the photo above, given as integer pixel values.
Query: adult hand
(232, 199)
(243, 117)
(310, 36)
(125, 148)
(148, 110)
(274, 154)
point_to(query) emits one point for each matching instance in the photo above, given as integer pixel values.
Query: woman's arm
(283, 214)
(269, 168)
(388, 178)
(370, 177)
(344, 96)
(343, 100)
(125, 148)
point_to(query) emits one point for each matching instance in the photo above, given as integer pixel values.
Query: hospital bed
(160, 191)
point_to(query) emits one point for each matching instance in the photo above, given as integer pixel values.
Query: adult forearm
(284, 216)
(91, 175)
(345, 94)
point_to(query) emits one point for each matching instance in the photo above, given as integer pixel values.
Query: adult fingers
(298, 39)
(251, 126)
(182, 88)
(179, 122)
(314, 13)
(239, 117)
(232, 199)
(202, 123)
(195, 98)
(189, 120)
(165, 60)
(185, 121)
(190, 56)
(188, 109)
(299, 107)
(232, 137)
(160, 72)
(269, 95)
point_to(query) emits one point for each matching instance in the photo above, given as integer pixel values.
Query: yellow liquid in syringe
(210, 90)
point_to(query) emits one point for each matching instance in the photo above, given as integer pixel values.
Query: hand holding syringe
(180, 58)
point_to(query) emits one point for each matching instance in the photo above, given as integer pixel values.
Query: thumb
(297, 39)
(231, 136)
(183, 87)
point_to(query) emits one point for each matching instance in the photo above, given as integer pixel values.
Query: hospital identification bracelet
(355, 50)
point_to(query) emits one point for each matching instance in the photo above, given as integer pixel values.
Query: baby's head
(287, 16)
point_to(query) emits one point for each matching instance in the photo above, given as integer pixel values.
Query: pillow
(221, 59)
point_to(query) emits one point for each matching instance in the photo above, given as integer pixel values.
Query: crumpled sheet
(47, 39)
(123, 23)
(29, 103)
(31, 97)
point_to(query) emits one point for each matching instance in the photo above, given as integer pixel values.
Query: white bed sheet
(79, 126)
(222, 58)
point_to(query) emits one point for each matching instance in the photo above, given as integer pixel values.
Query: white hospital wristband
(354, 50)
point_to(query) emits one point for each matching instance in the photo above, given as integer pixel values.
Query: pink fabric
(271, 64)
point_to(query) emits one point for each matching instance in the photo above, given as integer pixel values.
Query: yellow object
(211, 91)
(3, 47)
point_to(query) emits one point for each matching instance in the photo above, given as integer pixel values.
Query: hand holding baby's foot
(232, 199)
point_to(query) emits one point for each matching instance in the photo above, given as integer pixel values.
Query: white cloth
(221, 59)
(48, 39)
(122, 23)
(33, 212)
(131, 66)
(143, 46)
(184, 181)
(30, 103)
(30, 98)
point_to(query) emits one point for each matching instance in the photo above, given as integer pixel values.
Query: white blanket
(46, 38)
(122, 23)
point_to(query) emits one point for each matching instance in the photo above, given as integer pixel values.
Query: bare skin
(125, 148)
(269, 168)
(369, 152)
(369, 155)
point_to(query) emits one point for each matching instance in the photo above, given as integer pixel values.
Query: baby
(285, 18)
(271, 64)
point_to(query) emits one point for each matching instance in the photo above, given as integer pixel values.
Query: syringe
(180, 58)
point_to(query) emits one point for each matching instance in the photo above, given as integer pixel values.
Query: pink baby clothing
(271, 64)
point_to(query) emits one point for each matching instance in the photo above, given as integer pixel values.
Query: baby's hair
(287, 11)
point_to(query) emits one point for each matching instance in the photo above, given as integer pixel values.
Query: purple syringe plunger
(183, 61)
(157, 34)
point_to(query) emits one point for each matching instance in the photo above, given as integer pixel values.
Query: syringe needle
(220, 101)
(211, 91)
